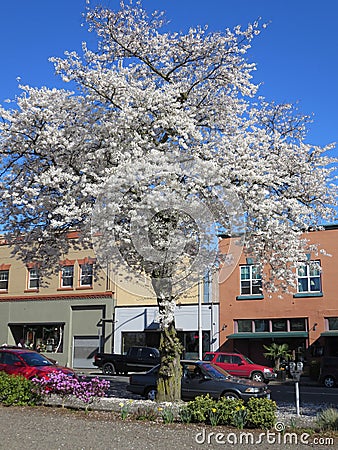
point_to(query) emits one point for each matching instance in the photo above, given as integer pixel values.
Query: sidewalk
(88, 372)
(304, 381)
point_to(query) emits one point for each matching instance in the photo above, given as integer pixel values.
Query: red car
(28, 363)
(240, 366)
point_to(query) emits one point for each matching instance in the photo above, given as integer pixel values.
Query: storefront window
(261, 325)
(279, 325)
(41, 337)
(130, 339)
(297, 325)
(333, 323)
(190, 342)
(188, 339)
(273, 325)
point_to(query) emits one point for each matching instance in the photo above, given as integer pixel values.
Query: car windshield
(35, 359)
(215, 371)
(208, 357)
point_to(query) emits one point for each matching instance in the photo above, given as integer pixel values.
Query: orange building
(306, 320)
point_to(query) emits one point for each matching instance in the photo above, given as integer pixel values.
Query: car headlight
(267, 370)
(252, 390)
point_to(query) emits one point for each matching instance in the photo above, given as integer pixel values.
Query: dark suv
(28, 363)
(329, 371)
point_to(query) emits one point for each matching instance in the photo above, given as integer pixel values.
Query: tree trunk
(169, 382)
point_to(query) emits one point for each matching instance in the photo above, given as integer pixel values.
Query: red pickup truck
(241, 366)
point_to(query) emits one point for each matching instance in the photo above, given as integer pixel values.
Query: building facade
(65, 316)
(80, 311)
(136, 318)
(307, 319)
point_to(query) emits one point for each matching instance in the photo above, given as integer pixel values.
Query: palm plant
(277, 352)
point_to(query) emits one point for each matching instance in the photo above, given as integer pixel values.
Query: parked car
(328, 374)
(240, 366)
(137, 359)
(29, 363)
(200, 378)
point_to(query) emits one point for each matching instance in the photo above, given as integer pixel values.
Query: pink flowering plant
(94, 388)
(64, 386)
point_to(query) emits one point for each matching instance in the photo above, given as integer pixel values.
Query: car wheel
(109, 369)
(150, 394)
(257, 376)
(230, 395)
(329, 381)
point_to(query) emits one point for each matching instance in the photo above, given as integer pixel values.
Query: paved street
(316, 395)
(281, 392)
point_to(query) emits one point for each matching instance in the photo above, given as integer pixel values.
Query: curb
(302, 382)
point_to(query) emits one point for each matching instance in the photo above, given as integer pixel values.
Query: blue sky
(297, 54)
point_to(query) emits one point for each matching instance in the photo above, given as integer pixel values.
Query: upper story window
(86, 275)
(33, 278)
(4, 276)
(309, 277)
(251, 280)
(67, 276)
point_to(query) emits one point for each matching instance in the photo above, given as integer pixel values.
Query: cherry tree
(162, 144)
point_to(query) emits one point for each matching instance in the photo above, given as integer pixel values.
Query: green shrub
(17, 390)
(256, 413)
(201, 407)
(261, 413)
(327, 420)
(230, 411)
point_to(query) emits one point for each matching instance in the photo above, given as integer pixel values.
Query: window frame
(308, 277)
(254, 278)
(86, 275)
(47, 337)
(6, 280)
(272, 325)
(330, 323)
(66, 277)
(36, 278)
